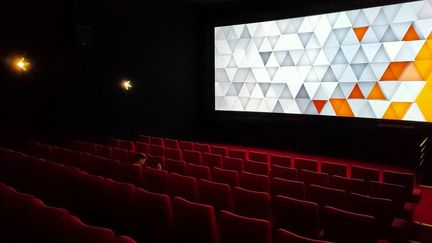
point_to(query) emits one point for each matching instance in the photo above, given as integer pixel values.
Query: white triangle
(390, 11)
(303, 72)
(368, 75)
(371, 14)
(360, 57)
(367, 111)
(392, 49)
(270, 103)
(381, 19)
(347, 88)
(221, 61)
(380, 30)
(312, 77)
(275, 90)
(261, 75)
(361, 20)
(414, 114)
(342, 21)
(379, 107)
(321, 59)
(415, 46)
(348, 75)
(400, 29)
(239, 29)
(325, 91)
(327, 110)
(237, 105)
(332, 41)
(306, 26)
(296, 55)
(405, 54)
(265, 46)
(272, 61)
(311, 88)
(241, 75)
(303, 104)
(270, 28)
(311, 109)
(231, 73)
(218, 90)
(357, 106)
(366, 88)
(370, 50)
(338, 93)
(251, 77)
(294, 26)
(408, 91)
(313, 43)
(338, 70)
(218, 102)
(405, 14)
(423, 28)
(244, 92)
(221, 75)
(322, 30)
(289, 106)
(332, 18)
(280, 56)
(294, 87)
(252, 28)
(389, 88)
(282, 24)
(330, 52)
(370, 37)
(222, 47)
(350, 51)
(253, 104)
(312, 54)
(320, 71)
(352, 15)
(425, 10)
(379, 69)
(351, 38)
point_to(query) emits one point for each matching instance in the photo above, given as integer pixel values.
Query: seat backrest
(157, 141)
(312, 177)
(129, 173)
(397, 193)
(182, 186)
(198, 171)
(142, 147)
(216, 194)
(234, 228)
(367, 174)
(229, 177)
(334, 169)
(259, 157)
(326, 196)
(220, 150)
(193, 157)
(251, 203)
(285, 161)
(400, 178)
(194, 222)
(289, 188)
(237, 153)
(254, 182)
(144, 139)
(155, 180)
(230, 163)
(171, 153)
(171, 143)
(176, 166)
(285, 236)
(283, 172)
(305, 164)
(349, 184)
(128, 145)
(298, 216)
(157, 150)
(104, 151)
(186, 145)
(256, 167)
(212, 160)
(120, 154)
(345, 226)
(201, 147)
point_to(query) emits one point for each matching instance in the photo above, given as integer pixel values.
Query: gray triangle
(340, 58)
(278, 108)
(288, 61)
(338, 93)
(358, 69)
(329, 76)
(304, 60)
(360, 57)
(264, 87)
(245, 34)
(238, 87)
(272, 71)
(273, 40)
(258, 41)
(381, 56)
(280, 56)
(302, 94)
(381, 19)
(232, 63)
(341, 34)
(305, 37)
(232, 44)
(244, 101)
(389, 36)
(221, 75)
(332, 41)
(265, 56)
(286, 93)
(250, 87)
(231, 91)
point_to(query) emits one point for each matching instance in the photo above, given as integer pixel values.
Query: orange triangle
(424, 68)
(345, 109)
(336, 104)
(411, 35)
(388, 74)
(319, 104)
(425, 52)
(360, 32)
(356, 93)
(397, 110)
(410, 74)
(376, 93)
(397, 68)
(390, 113)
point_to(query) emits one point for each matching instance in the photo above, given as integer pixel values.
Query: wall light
(126, 85)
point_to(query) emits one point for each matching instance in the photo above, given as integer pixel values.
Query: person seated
(141, 160)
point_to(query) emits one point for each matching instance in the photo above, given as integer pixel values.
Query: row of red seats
(24, 218)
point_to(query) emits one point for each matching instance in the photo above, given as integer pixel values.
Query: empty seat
(157, 150)
(120, 154)
(285, 236)
(366, 174)
(397, 193)
(104, 151)
(212, 160)
(326, 196)
(334, 169)
(237, 153)
(193, 157)
(230, 163)
(280, 160)
(157, 141)
(198, 171)
(176, 166)
(283, 172)
(171, 143)
(400, 178)
(344, 226)
(142, 147)
(349, 184)
(256, 167)
(216, 194)
(182, 186)
(305, 164)
(229, 177)
(289, 188)
(171, 153)
(298, 216)
(185, 145)
(203, 148)
(254, 182)
(144, 139)
(155, 180)
(194, 222)
(128, 145)
(219, 150)
(258, 156)
(235, 228)
(251, 203)
(129, 173)
(312, 177)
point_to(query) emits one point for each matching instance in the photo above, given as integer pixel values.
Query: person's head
(140, 158)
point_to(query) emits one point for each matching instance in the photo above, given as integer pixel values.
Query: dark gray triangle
(278, 108)
(265, 56)
(340, 58)
(286, 93)
(264, 87)
(302, 94)
(329, 76)
(358, 69)
(305, 37)
(238, 87)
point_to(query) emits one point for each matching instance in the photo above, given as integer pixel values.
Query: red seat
(349, 184)
(182, 186)
(144, 139)
(298, 216)
(229, 177)
(157, 160)
(157, 150)
(120, 154)
(289, 188)
(124, 239)
(230, 163)
(212, 160)
(251, 203)
(305, 164)
(237, 153)
(129, 173)
(157, 141)
(128, 145)
(366, 174)
(235, 228)
(203, 148)
(256, 167)
(85, 147)
(326, 196)
(396, 193)
(142, 147)
(219, 150)
(113, 142)
(39, 150)
(67, 156)
(285, 236)
(280, 160)
(334, 169)
(401, 178)
(194, 222)
(283, 172)
(216, 194)
(155, 180)
(259, 156)
(198, 171)
(344, 226)
(171, 143)
(254, 182)
(193, 157)
(185, 145)
(104, 151)
(312, 177)
(175, 154)
(176, 166)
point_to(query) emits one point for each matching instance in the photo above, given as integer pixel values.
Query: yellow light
(126, 84)
(21, 64)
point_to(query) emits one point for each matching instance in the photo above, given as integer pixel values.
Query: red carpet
(423, 212)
